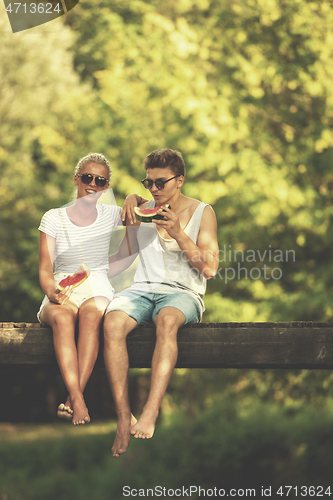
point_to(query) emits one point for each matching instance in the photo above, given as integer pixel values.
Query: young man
(176, 256)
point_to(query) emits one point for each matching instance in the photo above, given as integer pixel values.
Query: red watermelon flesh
(148, 214)
(148, 211)
(75, 279)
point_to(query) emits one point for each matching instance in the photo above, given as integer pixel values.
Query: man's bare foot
(145, 427)
(80, 411)
(122, 438)
(65, 411)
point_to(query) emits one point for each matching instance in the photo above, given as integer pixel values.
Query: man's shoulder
(193, 203)
(189, 205)
(190, 202)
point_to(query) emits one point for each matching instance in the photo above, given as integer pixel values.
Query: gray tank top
(162, 266)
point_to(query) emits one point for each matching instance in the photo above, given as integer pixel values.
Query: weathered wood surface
(214, 345)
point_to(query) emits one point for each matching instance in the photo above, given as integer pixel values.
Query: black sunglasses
(87, 179)
(148, 183)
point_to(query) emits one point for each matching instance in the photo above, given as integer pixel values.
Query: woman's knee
(63, 319)
(90, 317)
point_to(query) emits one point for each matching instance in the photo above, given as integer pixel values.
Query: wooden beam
(293, 345)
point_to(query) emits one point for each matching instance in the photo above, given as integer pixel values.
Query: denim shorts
(143, 307)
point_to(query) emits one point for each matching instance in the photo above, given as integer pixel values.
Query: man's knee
(116, 326)
(168, 320)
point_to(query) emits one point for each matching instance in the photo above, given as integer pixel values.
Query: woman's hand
(131, 201)
(60, 296)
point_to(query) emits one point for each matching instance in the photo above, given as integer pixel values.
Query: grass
(57, 461)
(22, 433)
(229, 445)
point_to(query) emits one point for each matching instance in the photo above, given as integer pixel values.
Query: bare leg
(117, 326)
(90, 318)
(62, 319)
(167, 321)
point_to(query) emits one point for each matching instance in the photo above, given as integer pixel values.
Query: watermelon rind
(148, 218)
(75, 279)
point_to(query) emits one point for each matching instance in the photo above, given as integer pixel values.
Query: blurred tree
(48, 120)
(243, 90)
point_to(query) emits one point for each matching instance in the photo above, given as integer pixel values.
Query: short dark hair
(164, 158)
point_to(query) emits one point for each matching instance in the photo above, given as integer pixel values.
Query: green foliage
(227, 446)
(244, 91)
(47, 123)
(193, 391)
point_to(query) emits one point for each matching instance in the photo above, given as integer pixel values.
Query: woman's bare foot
(133, 420)
(65, 411)
(80, 411)
(123, 435)
(145, 427)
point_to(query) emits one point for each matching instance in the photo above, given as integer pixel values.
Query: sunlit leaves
(40, 143)
(242, 89)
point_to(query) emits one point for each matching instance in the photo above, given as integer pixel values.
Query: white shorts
(96, 285)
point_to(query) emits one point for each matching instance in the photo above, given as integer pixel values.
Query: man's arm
(204, 255)
(207, 245)
(129, 247)
(126, 254)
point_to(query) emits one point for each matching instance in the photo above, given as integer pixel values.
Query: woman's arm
(46, 278)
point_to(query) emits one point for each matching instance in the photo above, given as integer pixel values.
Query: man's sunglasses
(148, 183)
(87, 179)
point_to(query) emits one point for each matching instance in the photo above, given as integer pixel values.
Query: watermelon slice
(75, 279)
(148, 214)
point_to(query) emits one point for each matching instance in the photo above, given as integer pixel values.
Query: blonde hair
(93, 158)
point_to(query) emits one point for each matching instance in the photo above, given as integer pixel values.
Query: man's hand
(60, 296)
(202, 255)
(170, 223)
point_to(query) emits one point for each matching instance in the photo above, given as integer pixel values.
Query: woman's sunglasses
(148, 183)
(87, 179)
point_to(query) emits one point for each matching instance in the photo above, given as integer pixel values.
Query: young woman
(71, 237)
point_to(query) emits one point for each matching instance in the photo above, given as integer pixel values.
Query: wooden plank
(26, 346)
(218, 345)
(249, 347)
